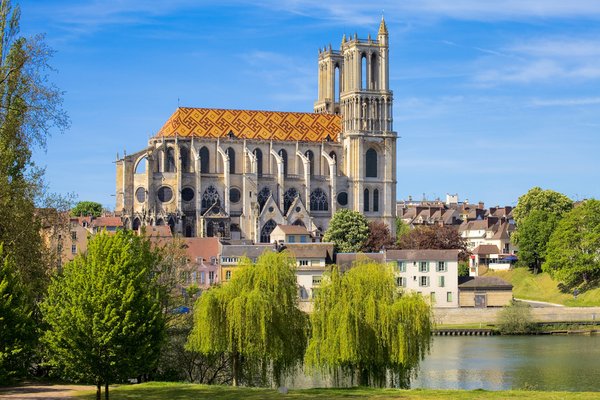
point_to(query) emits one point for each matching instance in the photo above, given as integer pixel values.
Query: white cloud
(582, 101)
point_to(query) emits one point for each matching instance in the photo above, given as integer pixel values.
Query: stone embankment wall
(450, 316)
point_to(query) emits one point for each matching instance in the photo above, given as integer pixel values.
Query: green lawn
(541, 287)
(180, 391)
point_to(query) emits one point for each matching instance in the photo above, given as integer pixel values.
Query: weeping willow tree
(254, 319)
(364, 326)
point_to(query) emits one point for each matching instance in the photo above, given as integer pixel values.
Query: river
(560, 363)
(563, 363)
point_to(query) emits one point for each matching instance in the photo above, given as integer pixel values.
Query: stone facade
(236, 174)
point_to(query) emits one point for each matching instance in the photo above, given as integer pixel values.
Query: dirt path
(42, 392)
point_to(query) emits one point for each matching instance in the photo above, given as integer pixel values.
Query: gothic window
(189, 231)
(172, 224)
(231, 154)
(170, 160)
(299, 222)
(366, 200)
(318, 200)
(164, 194)
(158, 165)
(265, 233)
(160, 222)
(311, 160)
(259, 161)
(363, 71)
(262, 197)
(283, 154)
(184, 155)
(210, 197)
(342, 198)
(187, 194)
(371, 163)
(235, 195)
(288, 198)
(376, 200)
(140, 168)
(373, 71)
(204, 160)
(140, 194)
(136, 224)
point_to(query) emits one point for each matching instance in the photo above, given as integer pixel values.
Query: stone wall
(490, 315)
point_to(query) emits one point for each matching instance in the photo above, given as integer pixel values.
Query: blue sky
(491, 97)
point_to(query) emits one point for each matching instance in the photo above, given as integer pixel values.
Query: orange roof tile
(248, 124)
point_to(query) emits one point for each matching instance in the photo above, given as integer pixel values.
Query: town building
(237, 174)
(485, 291)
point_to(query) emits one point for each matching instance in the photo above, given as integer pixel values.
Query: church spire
(382, 27)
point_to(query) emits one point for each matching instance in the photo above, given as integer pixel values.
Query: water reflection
(570, 363)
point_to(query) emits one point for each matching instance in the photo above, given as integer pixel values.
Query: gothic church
(236, 174)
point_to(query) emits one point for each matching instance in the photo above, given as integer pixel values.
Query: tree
(363, 325)
(87, 208)
(516, 319)
(463, 268)
(16, 323)
(534, 233)
(348, 230)
(103, 313)
(253, 319)
(30, 107)
(435, 237)
(379, 237)
(402, 228)
(574, 246)
(539, 199)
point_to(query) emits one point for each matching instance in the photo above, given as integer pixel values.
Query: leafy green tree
(348, 230)
(363, 325)
(87, 208)
(539, 199)
(516, 319)
(534, 233)
(574, 246)
(16, 323)
(103, 313)
(463, 268)
(402, 228)
(254, 318)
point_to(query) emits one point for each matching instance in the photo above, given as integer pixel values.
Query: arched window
(204, 160)
(160, 222)
(259, 161)
(231, 154)
(363, 72)
(311, 161)
(262, 197)
(158, 165)
(288, 198)
(140, 168)
(371, 163)
(337, 84)
(283, 154)
(189, 231)
(265, 232)
(210, 197)
(170, 160)
(299, 222)
(373, 71)
(184, 155)
(172, 224)
(366, 200)
(318, 200)
(136, 224)
(376, 200)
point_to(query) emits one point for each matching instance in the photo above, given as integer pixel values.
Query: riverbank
(164, 391)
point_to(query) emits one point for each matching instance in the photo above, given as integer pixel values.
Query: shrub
(516, 319)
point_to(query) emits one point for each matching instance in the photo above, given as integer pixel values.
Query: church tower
(354, 82)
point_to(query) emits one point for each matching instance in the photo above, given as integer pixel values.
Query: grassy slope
(180, 391)
(541, 287)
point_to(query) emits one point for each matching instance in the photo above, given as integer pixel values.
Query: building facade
(237, 174)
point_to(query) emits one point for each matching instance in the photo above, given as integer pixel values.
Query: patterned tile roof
(247, 124)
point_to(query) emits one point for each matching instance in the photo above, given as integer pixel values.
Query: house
(202, 269)
(231, 256)
(290, 234)
(489, 231)
(485, 291)
(312, 260)
(345, 261)
(432, 273)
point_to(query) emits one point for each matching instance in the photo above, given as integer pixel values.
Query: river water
(562, 363)
(545, 362)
